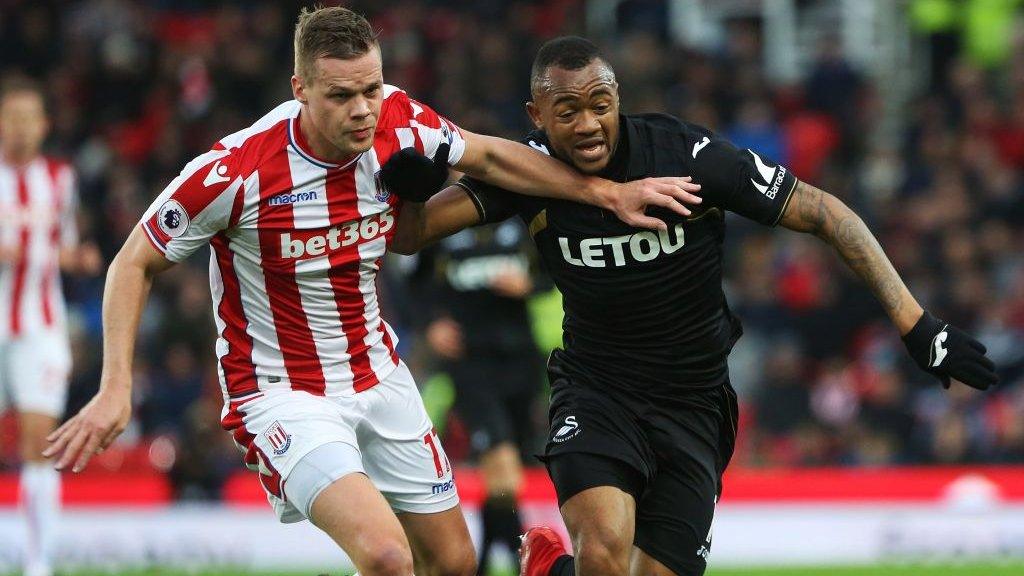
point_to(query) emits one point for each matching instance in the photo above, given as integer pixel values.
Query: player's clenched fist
(630, 200)
(946, 352)
(414, 177)
(90, 431)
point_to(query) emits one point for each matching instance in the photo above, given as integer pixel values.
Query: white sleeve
(433, 129)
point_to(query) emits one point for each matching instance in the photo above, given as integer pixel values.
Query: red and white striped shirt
(296, 245)
(37, 219)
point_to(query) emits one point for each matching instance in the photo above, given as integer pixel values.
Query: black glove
(413, 176)
(947, 352)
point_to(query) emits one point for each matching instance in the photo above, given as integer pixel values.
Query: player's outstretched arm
(96, 425)
(939, 348)
(519, 168)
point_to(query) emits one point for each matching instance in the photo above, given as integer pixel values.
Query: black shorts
(494, 398)
(669, 457)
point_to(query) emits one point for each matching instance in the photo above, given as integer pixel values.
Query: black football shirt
(644, 310)
(466, 264)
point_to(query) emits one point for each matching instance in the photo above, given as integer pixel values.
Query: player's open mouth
(592, 149)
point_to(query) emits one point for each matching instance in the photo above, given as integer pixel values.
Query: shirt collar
(639, 157)
(299, 144)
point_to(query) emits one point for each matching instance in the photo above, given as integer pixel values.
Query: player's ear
(534, 111)
(298, 89)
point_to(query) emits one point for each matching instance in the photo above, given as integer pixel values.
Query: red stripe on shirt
(294, 336)
(21, 266)
(345, 275)
(54, 168)
(386, 336)
(384, 148)
(239, 371)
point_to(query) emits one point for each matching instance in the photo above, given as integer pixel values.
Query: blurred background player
(38, 239)
(482, 334)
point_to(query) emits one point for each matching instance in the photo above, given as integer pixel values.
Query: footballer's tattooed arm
(817, 212)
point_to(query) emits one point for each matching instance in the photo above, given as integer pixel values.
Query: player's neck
(17, 158)
(316, 144)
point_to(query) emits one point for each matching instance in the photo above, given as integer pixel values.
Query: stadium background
(912, 112)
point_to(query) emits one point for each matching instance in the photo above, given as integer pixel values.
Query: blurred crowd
(137, 89)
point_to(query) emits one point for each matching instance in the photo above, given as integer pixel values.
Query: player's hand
(90, 259)
(90, 431)
(512, 283)
(8, 255)
(947, 352)
(414, 177)
(84, 259)
(445, 336)
(630, 200)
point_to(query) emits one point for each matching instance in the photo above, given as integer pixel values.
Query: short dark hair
(565, 52)
(334, 32)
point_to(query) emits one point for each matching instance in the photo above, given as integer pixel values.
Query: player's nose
(360, 107)
(587, 125)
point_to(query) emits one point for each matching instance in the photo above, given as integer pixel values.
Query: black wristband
(924, 330)
(919, 340)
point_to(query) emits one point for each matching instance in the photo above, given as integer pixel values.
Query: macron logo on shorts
(442, 487)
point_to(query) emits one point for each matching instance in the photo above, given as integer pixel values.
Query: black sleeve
(493, 203)
(740, 181)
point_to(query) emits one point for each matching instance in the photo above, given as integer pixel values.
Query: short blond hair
(333, 32)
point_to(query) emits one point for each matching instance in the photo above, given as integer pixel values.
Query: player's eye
(602, 108)
(566, 115)
(372, 91)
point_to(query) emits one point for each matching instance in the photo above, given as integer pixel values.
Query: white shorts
(387, 424)
(34, 372)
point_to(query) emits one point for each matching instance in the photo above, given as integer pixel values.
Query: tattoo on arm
(817, 212)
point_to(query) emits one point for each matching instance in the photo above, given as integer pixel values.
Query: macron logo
(293, 198)
(218, 174)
